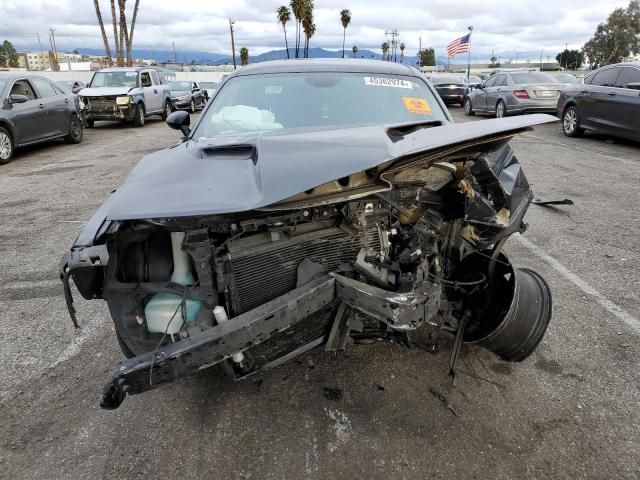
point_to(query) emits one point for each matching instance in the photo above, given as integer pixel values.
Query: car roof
(345, 65)
(13, 76)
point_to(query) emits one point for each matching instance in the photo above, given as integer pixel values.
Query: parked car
(564, 78)
(186, 95)
(510, 93)
(209, 89)
(451, 88)
(73, 86)
(606, 101)
(127, 94)
(474, 81)
(313, 201)
(34, 109)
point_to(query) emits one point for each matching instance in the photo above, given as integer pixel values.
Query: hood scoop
(231, 152)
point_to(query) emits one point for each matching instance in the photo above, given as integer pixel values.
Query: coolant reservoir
(163, 312)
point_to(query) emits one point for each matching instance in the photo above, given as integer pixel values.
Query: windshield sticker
(387, 82)
(273, 89)
(417, 105)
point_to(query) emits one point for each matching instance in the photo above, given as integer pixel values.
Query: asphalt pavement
(572, 410)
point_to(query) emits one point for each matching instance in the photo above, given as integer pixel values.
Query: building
(34, 60)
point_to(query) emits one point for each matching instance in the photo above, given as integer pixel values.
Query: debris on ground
(444, 400)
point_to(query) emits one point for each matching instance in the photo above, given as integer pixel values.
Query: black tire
(192, 106)
(6, 146)
(138, 116)
(571, 122)
(89, 122)
(501, 109)
(167, 110)
(76, 131)
(468, 108)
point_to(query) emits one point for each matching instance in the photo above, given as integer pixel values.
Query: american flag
(459, 45)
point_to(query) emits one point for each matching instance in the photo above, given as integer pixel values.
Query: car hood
(104, 91)
(179, 93)
(225, 175)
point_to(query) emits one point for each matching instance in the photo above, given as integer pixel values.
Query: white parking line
(604, 302)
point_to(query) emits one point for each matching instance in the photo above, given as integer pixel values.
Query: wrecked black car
(313, 203)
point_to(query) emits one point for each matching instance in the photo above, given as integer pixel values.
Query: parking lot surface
(572, 410)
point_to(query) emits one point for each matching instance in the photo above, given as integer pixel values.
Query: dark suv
(606, 101)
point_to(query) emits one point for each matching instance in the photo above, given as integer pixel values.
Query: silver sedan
(510, 93)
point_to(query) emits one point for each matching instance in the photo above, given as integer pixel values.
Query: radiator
(261, 273)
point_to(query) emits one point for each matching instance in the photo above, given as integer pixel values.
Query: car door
(28, 118)
(57, 107)
(599, 109)
(152, 94)
(480, 98)
(627, 101)
(196, 93)
(493, 92)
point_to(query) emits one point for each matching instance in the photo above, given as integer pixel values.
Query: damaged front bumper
(212, 346)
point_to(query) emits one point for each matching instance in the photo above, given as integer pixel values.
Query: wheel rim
(140, 116)
(75, 127)
(500, 110)
(167, 109)
(467, 107)
(193, 106)
(570, 120)
(5, 146)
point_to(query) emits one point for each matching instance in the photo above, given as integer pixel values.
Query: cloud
(202, 25)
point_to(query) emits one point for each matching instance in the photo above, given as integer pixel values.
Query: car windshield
(209, 84)
(180, 85)
(449, 79)
(474, 79)
(123, 78)
(532, 77)
(280, 102)
(2, 84)
(565, 77)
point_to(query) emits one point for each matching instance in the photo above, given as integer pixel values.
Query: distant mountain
(323, 53)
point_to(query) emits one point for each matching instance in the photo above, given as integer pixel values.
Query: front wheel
(75, 130)
(501, 109)
(468, 108)
(192, 106)
(570, 122)
(6, 146)
(138, 116)
(167, 110)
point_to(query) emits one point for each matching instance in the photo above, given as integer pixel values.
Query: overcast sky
(507, 26)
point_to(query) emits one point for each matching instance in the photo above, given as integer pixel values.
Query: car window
(44, 88)
(154, 75)
(501, 81)
(606, 78)
(145, 79)
(195, 86)
(491, 82)
(285, 101)
(532, 77)
(628, 75)
(23, 87)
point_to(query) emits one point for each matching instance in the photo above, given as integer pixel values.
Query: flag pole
(470, 27)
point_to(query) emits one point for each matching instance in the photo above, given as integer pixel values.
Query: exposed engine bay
(408, 247)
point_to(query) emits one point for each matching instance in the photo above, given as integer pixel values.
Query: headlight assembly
(123, 100)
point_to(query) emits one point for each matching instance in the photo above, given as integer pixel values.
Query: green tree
(244, 56)
(617, 39)
(494, 63)
(8, 55)
(570, 59)
(402, 53)
(308, 27)
(284, 15)
(427, 57)
(298, 8)
(345, 19)
(385, 50)
(354, 49)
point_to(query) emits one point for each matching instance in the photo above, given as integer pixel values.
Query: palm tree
(354, 49)
(345, 19)
(107, 50)
(402, 53)
(308, 27)
(124, 35)
(298, 9)
(133, 25)
(385, 49)
(244, 56)
(284, 15)
(114, 21)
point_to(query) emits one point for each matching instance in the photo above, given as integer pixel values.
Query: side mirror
(634, 85)
(180, 120)
(17, 98)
